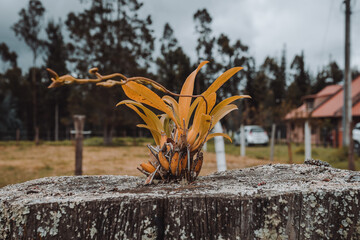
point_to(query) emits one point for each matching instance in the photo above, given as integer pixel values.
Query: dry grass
(22, 163)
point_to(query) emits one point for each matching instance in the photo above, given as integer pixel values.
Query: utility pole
(347, 114)
(346, 118)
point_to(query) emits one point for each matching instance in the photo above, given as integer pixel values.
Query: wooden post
(273, 129)
(307, 133)
(242, 140)
(79, 127)
(17, 136)
(57, 122)
(37, 141)
(288, 141)
(351, 162)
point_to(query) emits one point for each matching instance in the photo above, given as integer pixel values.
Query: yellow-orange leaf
(226, 102)
(187, 89)
(156, 123)
(151, 120)
(174, 163)
(212, 135)
(163, 161)
(147, 167)
(174, 105)
(142, 94)
(222, 112)
(155, 133)
(204, 128)
(221, 80)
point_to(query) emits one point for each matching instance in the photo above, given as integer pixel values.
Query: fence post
(220, 149)
(17, 136)
(273, 129)
(288, 142)
(242, 140)
(307, 131)
(79, 127)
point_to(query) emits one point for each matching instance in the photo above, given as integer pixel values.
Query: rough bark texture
(265, 202)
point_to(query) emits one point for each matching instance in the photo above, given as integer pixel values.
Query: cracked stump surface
(265, 202)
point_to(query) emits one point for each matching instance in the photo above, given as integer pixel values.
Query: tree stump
(265, 202)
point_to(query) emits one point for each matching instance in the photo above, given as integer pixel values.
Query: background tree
(231, 55)
(173, 64)
(28, 29)
(55, 58)
(330, 74)
(205, 50)
(301, 84)
(8, 57)
(114, 38)
(10, 88)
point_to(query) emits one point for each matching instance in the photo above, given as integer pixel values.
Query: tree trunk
(108, 133)
(265, 202)
(56, 137)
(34, 101)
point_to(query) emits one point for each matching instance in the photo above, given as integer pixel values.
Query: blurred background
(290, 51)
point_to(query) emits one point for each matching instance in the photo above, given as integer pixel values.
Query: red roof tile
(332, 107)
(329, 90)
(299, 112)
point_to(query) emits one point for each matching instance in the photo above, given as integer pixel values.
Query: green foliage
(340, 155)
(173, 64)
(29, 26)
(115, 38)
(301, 83)
(7, 55)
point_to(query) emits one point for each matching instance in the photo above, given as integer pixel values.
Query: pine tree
(205, 50)
(301, 84)
(114, 38)
(55, 58)
(28, 29)
(232, 55)
(173, 64)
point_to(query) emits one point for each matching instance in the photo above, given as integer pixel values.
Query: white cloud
(317, 27)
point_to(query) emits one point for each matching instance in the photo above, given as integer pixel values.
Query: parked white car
(356, 138)
(254, 135)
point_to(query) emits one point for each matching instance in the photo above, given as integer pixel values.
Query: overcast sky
(316, 27)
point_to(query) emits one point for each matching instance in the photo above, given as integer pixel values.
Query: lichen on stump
(265, 202)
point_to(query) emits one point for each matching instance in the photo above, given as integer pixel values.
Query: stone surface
(265, 202)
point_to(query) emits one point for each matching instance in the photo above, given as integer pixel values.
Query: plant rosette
(182, 128)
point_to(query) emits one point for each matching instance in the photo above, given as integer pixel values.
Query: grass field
(25, 161)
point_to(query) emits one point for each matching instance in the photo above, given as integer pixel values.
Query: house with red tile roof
(324, 111)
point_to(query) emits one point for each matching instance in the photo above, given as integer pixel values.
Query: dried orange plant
(182, 128)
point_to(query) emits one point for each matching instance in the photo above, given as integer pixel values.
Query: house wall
(296, 134)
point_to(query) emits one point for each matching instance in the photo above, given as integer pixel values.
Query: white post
(220, 149)
(273, 129)
(307, 133)
(204, 148)
(242, 140)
